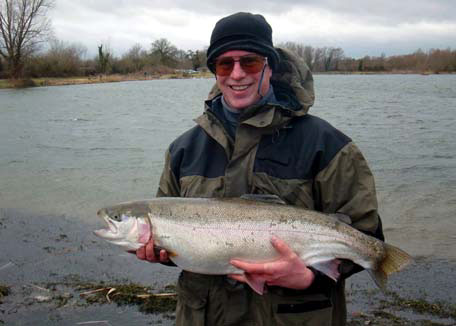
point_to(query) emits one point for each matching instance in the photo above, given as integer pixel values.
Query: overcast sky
(367, 27)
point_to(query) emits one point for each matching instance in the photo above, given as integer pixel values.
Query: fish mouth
(111, 230)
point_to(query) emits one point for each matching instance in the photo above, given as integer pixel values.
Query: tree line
(330, 59)
(69, 60)
(25, 28)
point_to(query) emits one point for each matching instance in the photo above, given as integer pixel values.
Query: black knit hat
(242, 31)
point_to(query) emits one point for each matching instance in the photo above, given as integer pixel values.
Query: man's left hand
(287, 271)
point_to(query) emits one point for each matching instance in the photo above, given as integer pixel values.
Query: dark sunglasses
(251, 64)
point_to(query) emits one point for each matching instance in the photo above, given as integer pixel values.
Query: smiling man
(242, 77)
(256, 137)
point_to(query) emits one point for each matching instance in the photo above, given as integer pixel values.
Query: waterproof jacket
(282, 150)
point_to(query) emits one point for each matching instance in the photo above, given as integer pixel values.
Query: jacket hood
(292, 82)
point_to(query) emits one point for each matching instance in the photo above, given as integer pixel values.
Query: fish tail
(394, 260)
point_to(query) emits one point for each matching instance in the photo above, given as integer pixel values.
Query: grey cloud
(205, 7)
(392, 12)
(373, 26)
(373, 11)
(377, 11)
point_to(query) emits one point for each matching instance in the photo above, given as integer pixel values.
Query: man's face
(239, 88)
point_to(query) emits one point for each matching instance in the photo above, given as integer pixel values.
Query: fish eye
(116, 217)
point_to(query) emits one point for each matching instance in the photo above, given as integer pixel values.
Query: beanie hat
(242, 31)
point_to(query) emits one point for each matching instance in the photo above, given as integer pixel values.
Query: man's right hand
(152, 253)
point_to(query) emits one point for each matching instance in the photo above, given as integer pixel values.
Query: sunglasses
(251, 64)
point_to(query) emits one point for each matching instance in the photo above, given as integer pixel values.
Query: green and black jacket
(278, 149)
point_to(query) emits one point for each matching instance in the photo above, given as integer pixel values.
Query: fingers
(288, 270)
(147, 252)
(164, 258)
(286, 254)
(152, 253)
(267, 269)
(238, 277)
(242, 277)
(252, 268)
(141, 253)
(281, 246)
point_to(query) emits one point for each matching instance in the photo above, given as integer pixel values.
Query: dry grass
(4, 83)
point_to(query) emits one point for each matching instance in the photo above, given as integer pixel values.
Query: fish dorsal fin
(270, 199)
(342, 218)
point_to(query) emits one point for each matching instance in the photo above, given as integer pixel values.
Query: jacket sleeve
(169, 185)
(346, 185)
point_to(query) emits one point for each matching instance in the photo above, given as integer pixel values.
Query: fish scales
(258, 221)
(202, 235)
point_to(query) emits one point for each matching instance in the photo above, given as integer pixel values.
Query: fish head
(127, 225)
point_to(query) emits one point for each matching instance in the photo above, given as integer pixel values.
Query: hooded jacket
(278, 149)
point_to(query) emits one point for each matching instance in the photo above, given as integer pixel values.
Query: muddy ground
(54, 271)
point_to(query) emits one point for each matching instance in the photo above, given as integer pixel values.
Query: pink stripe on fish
(144, 232)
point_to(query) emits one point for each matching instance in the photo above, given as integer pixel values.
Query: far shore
(60, 81)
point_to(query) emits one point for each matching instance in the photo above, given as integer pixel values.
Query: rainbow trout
(202, 235)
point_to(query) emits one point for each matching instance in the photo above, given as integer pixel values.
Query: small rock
(43, 298)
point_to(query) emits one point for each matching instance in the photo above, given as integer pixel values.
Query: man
(256, 137)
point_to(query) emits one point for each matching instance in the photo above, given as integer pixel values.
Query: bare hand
(287, 271)
(152, 253)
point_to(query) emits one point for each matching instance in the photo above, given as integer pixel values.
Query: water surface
(69, 150)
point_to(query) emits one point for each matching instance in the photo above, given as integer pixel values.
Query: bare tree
(165, 52)
(306, 52)
(298, 49)
(23, 25)
(135, 58)
(319, 58)
(309, 56)
(61, 59)
(332, 58)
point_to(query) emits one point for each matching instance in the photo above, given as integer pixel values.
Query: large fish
(202, 235)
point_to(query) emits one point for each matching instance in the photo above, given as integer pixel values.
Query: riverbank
(395, 72)
(54, 271)
(36, 82)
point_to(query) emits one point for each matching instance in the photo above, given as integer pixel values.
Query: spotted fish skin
(202, 235)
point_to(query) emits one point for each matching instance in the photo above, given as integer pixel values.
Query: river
(66, 151)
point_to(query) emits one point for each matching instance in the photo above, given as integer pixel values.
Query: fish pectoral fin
(255, 282)
(328, 267)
